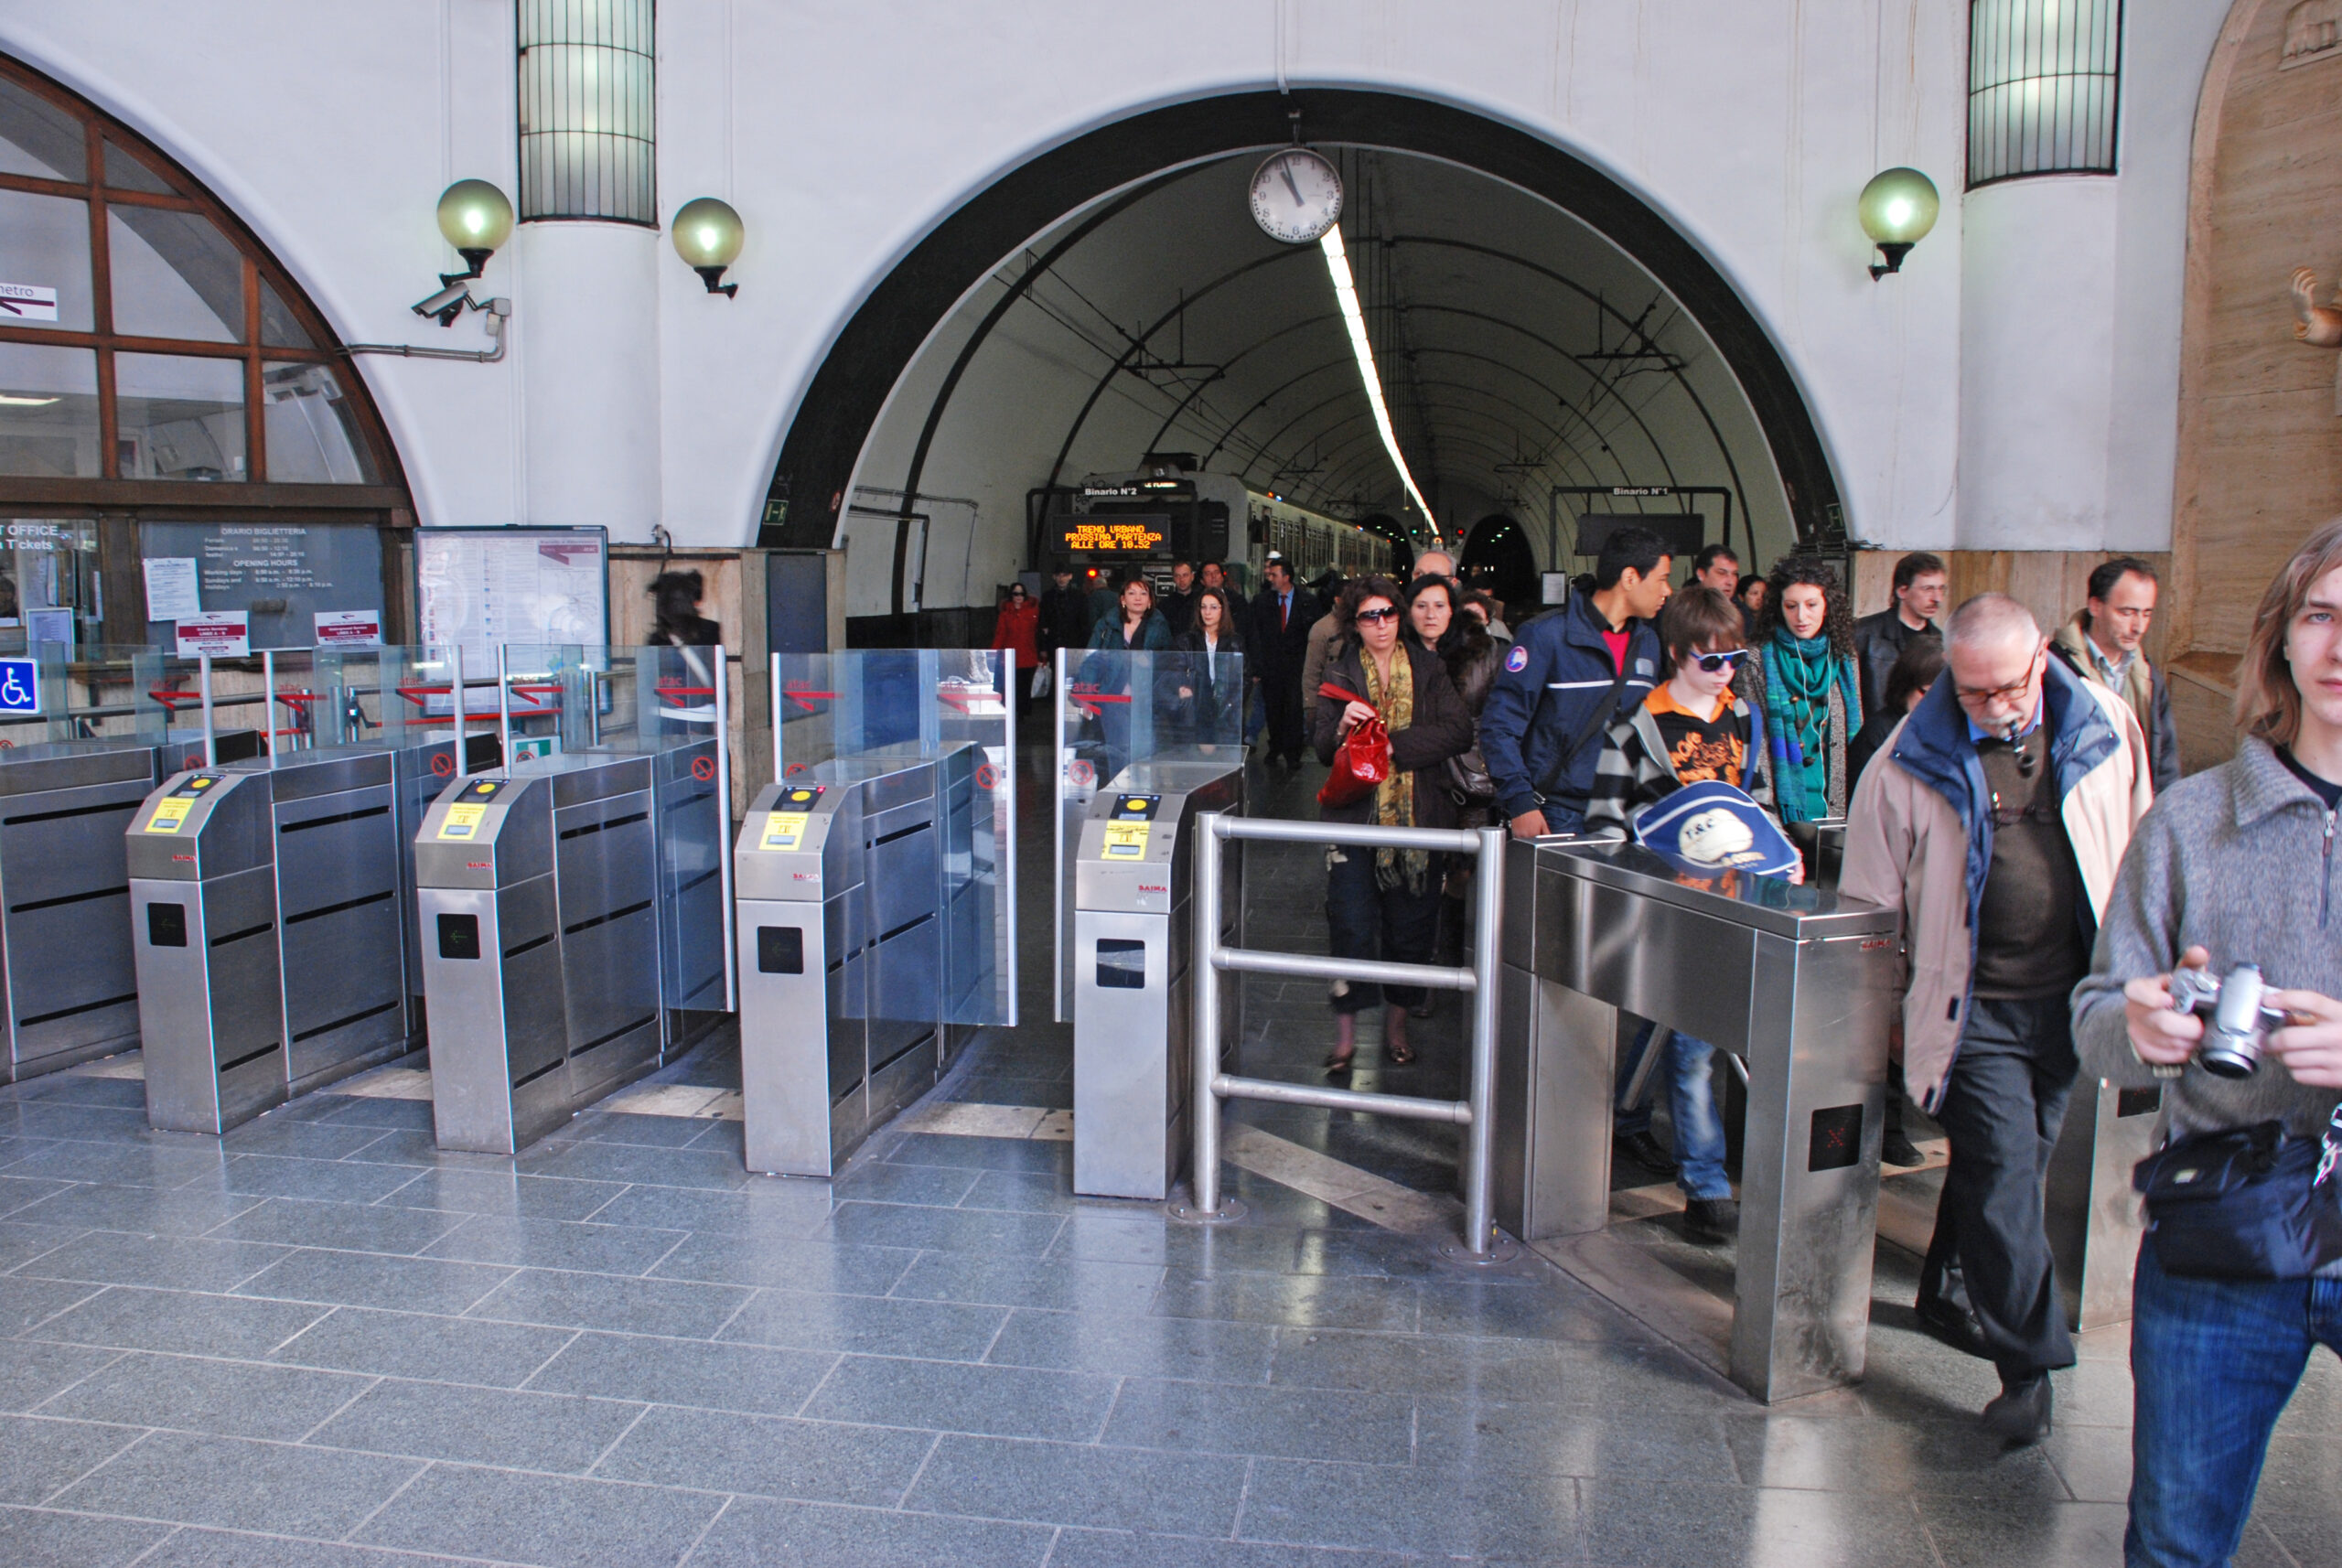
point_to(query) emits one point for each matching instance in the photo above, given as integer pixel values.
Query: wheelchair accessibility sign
(20, 688)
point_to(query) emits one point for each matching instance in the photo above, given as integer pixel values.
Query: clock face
(1296, 195)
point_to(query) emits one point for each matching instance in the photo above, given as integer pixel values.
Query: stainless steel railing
(1212, 960)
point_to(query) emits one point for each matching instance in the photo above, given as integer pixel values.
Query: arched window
(154, 363)
(2044, 84)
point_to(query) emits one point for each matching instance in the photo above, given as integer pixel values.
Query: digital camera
(2235, 1023)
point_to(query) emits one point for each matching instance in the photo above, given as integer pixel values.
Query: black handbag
(2250, 1203)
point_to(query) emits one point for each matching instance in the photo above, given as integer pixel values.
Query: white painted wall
(843, 132)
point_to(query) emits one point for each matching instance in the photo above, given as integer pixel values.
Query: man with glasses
(2014, 768)
(2101, 643)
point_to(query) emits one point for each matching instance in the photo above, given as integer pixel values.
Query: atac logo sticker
(1716, 839)
(1517, 659)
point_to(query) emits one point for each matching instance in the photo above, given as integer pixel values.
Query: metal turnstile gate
(1796, 980)
(846, 950)
(1133, 937)
(688, 828)
(269, 923)
(538, 914)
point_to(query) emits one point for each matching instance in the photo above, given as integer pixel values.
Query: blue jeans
(2212, 1364)
(1691, 1102)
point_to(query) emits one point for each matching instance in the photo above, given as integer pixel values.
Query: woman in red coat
(1018, 627)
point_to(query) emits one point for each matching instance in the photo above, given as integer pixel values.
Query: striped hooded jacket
(1636, 769)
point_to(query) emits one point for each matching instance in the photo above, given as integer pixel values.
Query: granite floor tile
(1504, 1514)
(756, 1379)
(1522, 1371)
(376, 1110)
(49, 1119)
(1102, 1289)
(234, 1549)
(1974, 1532)
(561, 1432)
(2094, 1462)
(40, 1455)
(33, 1539)
(152, 1211)
(950, 1396)
(287, 1175)
(753, 1535)
(1060, 1483)
(556, 1244)
(24, 1303)
(279, 1134)
(871, 1326)
(21, 1243)
(180, 1323)
(376, 1278)
(241, 1485)
(1206, 1251)
(981, 1153)
(1563, 1438)
(18, 1193)
(772, 1209)
(1303, 1299)
(1549, 1308)
(561, 1300)
(71, 1088)
(503, 1192)
(553, 1521)
(1049, 1094)
(810, 1461)
(159, 1160)
(1954, 1459)
(1288, 1424)
(991, 1232)
(2301, 1473)
(176, 1262)
(1127, 1346)
(1130, 1549)
(413, 1345)
(1028, 1192)
(881, 1182)
(625, 1163)
(623, 1127)
(194, 1393)
(787, 1263)
(31, 1370)
(342, 1227)
(1647, 1522)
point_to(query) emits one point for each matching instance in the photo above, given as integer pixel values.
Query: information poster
(171, 588)
(278, 574)
(478, 588)
(223, 634)
(349, 629)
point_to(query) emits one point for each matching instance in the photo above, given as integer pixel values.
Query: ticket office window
(49, 582)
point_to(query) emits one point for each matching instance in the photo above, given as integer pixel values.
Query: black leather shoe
(1955, 1325)
(1712, 1221)
(1897, 1150)
(1646, 1151)
(2021, 1415)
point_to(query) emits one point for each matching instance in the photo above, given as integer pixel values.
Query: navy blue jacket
(1549, 689)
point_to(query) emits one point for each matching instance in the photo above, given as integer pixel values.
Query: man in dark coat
(1064, 614)
(1278, 647)
(1921, 583)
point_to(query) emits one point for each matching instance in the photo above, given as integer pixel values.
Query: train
(1169, 509)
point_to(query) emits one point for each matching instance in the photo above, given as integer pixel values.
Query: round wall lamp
(1897, 209)
(708, 235)
(475, 219)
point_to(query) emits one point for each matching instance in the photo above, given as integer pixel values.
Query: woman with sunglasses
(1384, 903)
(1803, 681)
(1691, 730)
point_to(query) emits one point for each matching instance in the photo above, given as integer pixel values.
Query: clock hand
(1286, 170)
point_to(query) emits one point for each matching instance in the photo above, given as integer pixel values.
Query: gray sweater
(2241, 860)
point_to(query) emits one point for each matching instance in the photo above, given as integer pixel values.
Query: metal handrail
(1211, 958)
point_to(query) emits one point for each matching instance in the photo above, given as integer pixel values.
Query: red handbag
(1361, 762)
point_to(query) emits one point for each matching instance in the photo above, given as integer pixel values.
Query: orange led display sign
(1123, 536)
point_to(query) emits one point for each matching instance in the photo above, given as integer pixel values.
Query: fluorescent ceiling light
(10, 399)
(1337, 264)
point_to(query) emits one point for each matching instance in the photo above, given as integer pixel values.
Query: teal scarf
(1798, 673)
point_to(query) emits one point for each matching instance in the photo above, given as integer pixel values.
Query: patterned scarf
(1394, 797)
(1800, 673)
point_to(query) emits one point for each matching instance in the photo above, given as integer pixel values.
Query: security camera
(448, 302)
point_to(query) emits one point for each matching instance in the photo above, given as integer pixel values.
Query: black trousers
(2002, 1110)
(1281, 692)
(1388, 923)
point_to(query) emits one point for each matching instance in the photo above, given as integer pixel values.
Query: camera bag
(2249, 1203)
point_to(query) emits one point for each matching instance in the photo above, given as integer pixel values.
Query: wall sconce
(475, 219)
(708, 235)
(1897, 209)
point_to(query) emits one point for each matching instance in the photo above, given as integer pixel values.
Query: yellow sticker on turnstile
(462, 821)
(783, 829)
(168, 814)
(1126, 841)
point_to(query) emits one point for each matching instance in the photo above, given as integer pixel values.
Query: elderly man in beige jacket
(1996, 820)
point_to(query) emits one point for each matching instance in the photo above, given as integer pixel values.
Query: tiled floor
(321, 1341)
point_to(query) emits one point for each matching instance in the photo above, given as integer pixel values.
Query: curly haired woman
(1805, 683)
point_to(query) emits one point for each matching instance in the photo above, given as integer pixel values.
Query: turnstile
(1132, 937)
(538, 896)
(269, 916)
(72, 988)
(1796, 980)
(689, 829)
(846, 938)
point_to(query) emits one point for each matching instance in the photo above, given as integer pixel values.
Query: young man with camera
(2235, 867)
(1996, 823)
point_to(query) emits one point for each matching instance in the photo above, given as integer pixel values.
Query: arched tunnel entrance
(1540, 335)
(1498, 558)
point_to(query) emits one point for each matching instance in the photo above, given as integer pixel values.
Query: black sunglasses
(1385, 613)
(1711, 662)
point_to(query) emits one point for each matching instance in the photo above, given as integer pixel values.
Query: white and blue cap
(1711, 827)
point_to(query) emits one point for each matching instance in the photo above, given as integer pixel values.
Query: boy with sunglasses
(1691, 730)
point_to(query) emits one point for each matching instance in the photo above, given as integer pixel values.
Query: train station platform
(320, 1339)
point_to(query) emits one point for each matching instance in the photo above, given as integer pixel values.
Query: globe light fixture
(1897, 209)
(708, 235)
(477, 220)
